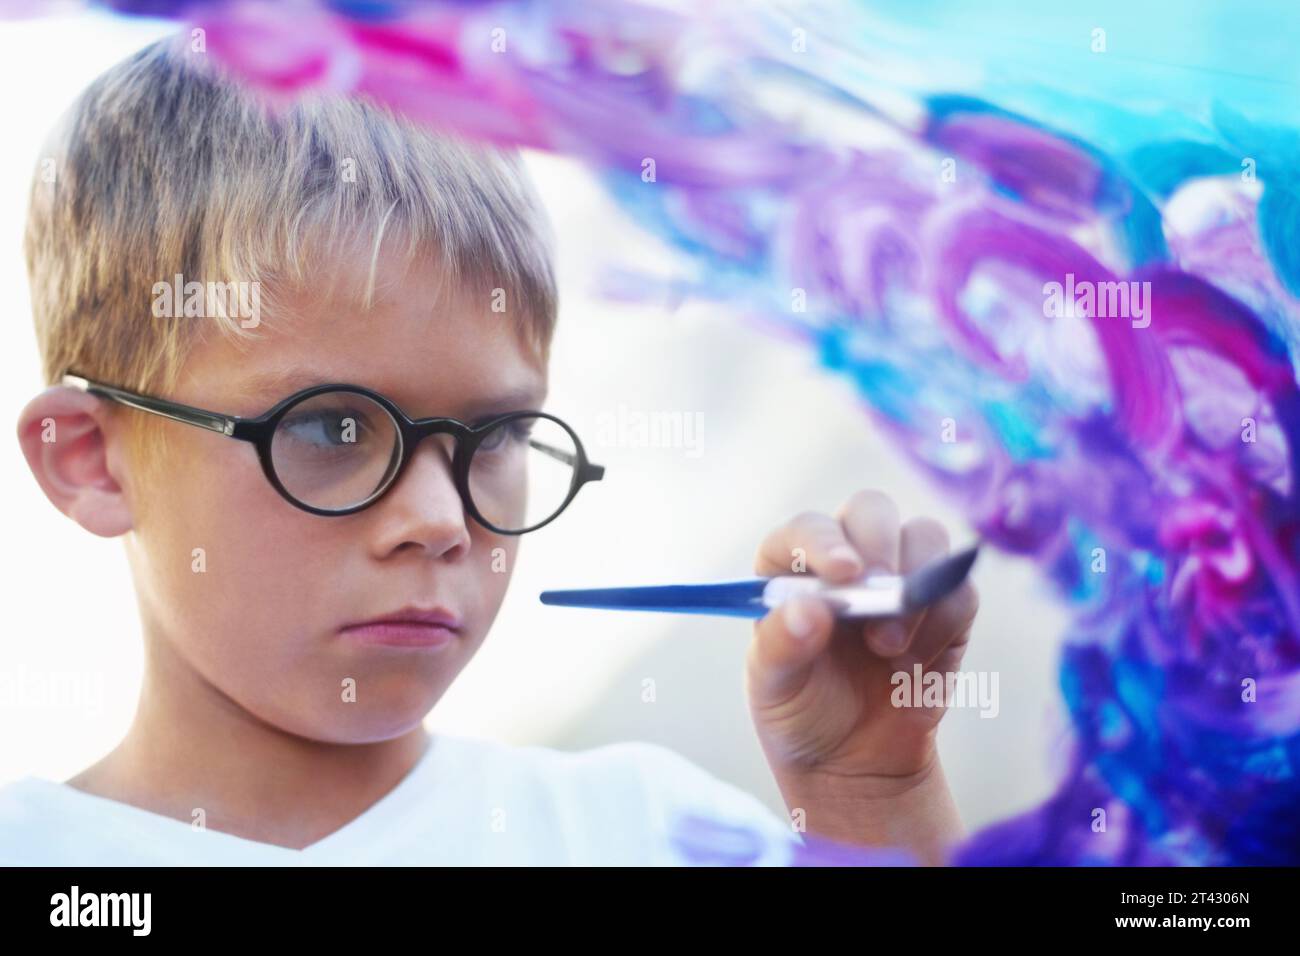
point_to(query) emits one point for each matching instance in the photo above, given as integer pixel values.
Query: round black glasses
(336, 449)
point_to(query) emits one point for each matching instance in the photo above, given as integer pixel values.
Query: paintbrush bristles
(936, 581)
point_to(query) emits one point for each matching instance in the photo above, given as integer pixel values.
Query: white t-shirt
(467, 802)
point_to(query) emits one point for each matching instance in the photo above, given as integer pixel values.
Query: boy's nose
(427, 507)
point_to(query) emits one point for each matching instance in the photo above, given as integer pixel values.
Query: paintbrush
(875, 595)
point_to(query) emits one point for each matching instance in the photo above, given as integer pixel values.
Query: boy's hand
(819, 689)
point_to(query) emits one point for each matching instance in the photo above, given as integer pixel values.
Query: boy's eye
(513, 432)
(328, 428)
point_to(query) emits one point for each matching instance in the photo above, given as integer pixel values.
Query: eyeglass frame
(260, 430)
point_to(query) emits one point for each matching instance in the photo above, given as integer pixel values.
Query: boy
(306, 601)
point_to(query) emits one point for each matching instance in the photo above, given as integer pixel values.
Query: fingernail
(846, 554)
(891, 639)
(799, 620)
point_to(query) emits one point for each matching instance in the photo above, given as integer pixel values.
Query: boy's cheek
(215, 547)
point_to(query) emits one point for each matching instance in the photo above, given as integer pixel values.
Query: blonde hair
(164, 166)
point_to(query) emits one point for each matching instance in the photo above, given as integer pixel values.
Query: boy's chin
(367, 729)
(387, 713)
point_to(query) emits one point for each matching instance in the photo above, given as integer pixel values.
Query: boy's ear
(62, 435)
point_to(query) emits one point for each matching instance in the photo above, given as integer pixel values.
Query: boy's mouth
(408, 627)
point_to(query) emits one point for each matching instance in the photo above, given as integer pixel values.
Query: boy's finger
(786, 642)
(946, 624)
(871, 522)
(813, 542)
(921, 541)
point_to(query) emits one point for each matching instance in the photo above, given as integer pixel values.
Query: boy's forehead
(431, 348)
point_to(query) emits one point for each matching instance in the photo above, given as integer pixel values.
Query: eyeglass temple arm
(594, 472)
(158, 406)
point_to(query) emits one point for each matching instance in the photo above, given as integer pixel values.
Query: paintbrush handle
(875, 596)
(731, 598)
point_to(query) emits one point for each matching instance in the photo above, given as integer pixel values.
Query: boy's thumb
(786, 642)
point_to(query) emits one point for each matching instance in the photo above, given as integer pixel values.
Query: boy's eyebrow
(281, 384)
(276, 385)
(518, 399)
